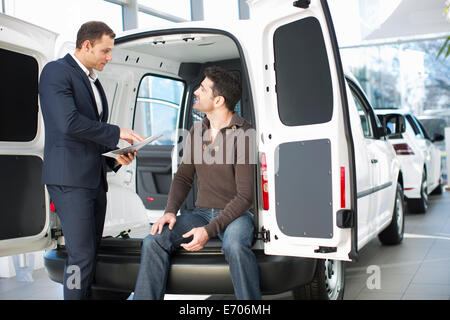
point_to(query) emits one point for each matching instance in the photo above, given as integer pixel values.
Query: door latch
(325, 250)
(345, 219)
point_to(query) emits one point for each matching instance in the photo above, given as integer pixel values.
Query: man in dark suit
(75, 112)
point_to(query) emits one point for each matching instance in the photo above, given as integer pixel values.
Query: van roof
(231, 26)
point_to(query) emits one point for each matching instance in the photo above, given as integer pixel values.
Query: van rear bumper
(204, 272)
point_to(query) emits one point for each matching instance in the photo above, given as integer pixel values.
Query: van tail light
(52, 207)
(403, 149)
(342, 187)
(264, 182)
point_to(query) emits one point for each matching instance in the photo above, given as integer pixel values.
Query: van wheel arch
(393, 234)
(400, 179)
(420, 205)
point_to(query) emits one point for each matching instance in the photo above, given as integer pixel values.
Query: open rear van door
(308, 155)
(25, 218)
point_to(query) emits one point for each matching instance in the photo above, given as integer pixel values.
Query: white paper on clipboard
(130, 149)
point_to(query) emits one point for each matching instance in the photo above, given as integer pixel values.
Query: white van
(327, 183)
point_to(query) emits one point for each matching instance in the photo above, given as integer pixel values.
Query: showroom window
(149, 21)
(158, 107)
(403, 76)
(66, 16)
(177, 8)
(217, 10)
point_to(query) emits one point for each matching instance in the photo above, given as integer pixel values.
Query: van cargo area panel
(22, 204)
(303, 189)
(19, 97)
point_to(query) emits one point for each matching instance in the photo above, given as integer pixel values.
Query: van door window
(363, 116)
(157, 108)
(304, 88)
(19, 97)
(157, 112)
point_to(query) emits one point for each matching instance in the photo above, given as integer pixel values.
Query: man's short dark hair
(92, 31)
(226, 84)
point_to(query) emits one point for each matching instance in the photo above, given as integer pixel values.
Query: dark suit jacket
(75, 136)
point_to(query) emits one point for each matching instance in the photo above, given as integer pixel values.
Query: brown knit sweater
(225, 178)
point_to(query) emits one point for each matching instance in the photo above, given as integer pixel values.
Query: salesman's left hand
(126, 159)
(198, 242)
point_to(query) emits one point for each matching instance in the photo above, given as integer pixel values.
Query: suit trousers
(82, 215)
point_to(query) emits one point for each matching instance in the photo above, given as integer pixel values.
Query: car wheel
(420, 205)
(328, 282)
(393, 234)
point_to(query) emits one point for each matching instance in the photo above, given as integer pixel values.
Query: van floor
(417, 269)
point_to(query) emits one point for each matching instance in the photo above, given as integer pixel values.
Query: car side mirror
(438, 137)
(394, 124)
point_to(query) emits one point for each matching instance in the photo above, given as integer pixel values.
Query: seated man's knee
(159, 241)
(235, 246)
(148, 243)
(238, 236)
(151, 243)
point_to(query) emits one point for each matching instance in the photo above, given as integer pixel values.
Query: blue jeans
(236, 245)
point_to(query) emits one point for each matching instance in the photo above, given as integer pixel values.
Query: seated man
(225, 194)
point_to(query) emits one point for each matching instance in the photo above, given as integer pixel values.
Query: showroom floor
(419, 268)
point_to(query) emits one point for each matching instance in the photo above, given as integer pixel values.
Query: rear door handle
(374, 160)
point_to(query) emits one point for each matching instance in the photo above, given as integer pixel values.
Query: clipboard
(130, 149)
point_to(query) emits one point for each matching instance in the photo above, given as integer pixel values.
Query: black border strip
(353, 255)
(373, 190)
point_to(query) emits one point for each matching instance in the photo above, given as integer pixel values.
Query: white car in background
(420, 160)
(435, 127)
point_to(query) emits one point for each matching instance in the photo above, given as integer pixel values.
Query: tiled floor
(419, 268)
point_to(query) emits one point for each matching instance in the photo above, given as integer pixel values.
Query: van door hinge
(56, 233)
(263, 235)
(325, 250)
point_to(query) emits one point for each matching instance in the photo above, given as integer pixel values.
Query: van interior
(170, 100)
